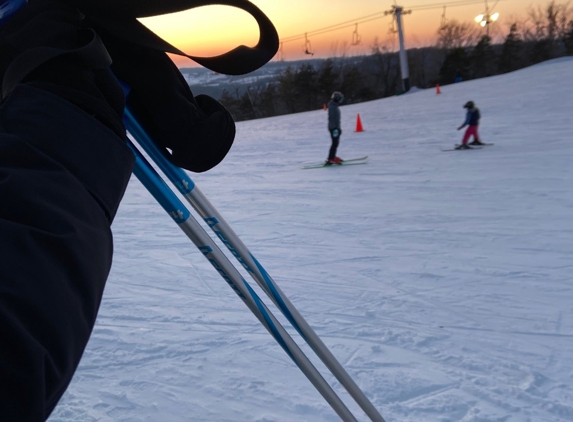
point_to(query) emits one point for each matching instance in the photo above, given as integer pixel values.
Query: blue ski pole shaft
(226, 234)
(181, 215)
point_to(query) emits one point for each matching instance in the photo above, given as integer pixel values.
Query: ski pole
(224, 232)
(181, 215)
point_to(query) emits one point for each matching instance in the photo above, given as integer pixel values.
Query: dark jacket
(62, 176)
(333, 115)
(472, 117)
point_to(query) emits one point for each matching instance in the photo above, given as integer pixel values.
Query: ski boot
(476, 142)
(463, 146)
(333, 161)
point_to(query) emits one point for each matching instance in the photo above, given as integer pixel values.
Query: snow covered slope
(442, 281)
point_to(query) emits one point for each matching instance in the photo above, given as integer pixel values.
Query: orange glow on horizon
(205, 31)
(213, 30)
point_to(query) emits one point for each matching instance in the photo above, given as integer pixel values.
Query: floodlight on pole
(486, 18)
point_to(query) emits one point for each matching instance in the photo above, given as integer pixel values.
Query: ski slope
(442, 281)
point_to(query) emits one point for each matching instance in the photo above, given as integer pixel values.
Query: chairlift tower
(398, 11)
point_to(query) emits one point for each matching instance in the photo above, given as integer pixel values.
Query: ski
(349, 162)
(458, 149)
(483, 144)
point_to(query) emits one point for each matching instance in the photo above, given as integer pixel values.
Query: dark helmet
(337, 97)
(469, 104)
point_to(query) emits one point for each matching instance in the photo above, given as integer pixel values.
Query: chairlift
(307, 46)
(444, 20)
(393, 29)
(281, 54)
(356, 38)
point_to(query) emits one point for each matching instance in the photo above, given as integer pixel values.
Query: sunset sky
(212, 30)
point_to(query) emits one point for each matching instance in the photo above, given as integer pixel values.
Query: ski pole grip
(239, 61)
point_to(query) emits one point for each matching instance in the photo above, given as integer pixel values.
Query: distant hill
(204, 81)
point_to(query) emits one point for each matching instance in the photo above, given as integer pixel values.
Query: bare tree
(455, 34)
(387, 74)
(419, 64)
(339, 49)
(548, 23)
(545, 30)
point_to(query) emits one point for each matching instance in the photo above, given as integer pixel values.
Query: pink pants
(470, 131)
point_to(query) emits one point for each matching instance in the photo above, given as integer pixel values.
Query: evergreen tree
(327, 80)
(352, 84)
(456, 60)
(541, 50)
(305, 88)
(231, 103)
(568, 38)
(483, 60)
(246, 108)
(268, 100)
(286, 89)
(510, 58)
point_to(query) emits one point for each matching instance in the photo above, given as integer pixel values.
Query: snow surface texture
(440, 280)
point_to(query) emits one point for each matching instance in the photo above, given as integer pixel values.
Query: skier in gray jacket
(334, 126)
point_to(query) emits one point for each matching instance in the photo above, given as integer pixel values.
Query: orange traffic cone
(438, 89)
(324, 107)
(359, 124)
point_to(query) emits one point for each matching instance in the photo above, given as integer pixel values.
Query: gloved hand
(197, 131)
(45, 44)
(336, 132)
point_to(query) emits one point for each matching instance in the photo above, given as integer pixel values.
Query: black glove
(198, 132)
(47, 45)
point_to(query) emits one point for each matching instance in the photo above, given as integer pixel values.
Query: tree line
(462, 51)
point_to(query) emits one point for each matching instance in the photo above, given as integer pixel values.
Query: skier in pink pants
(472, 121)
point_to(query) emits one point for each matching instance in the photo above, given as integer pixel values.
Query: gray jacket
(333, 115)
